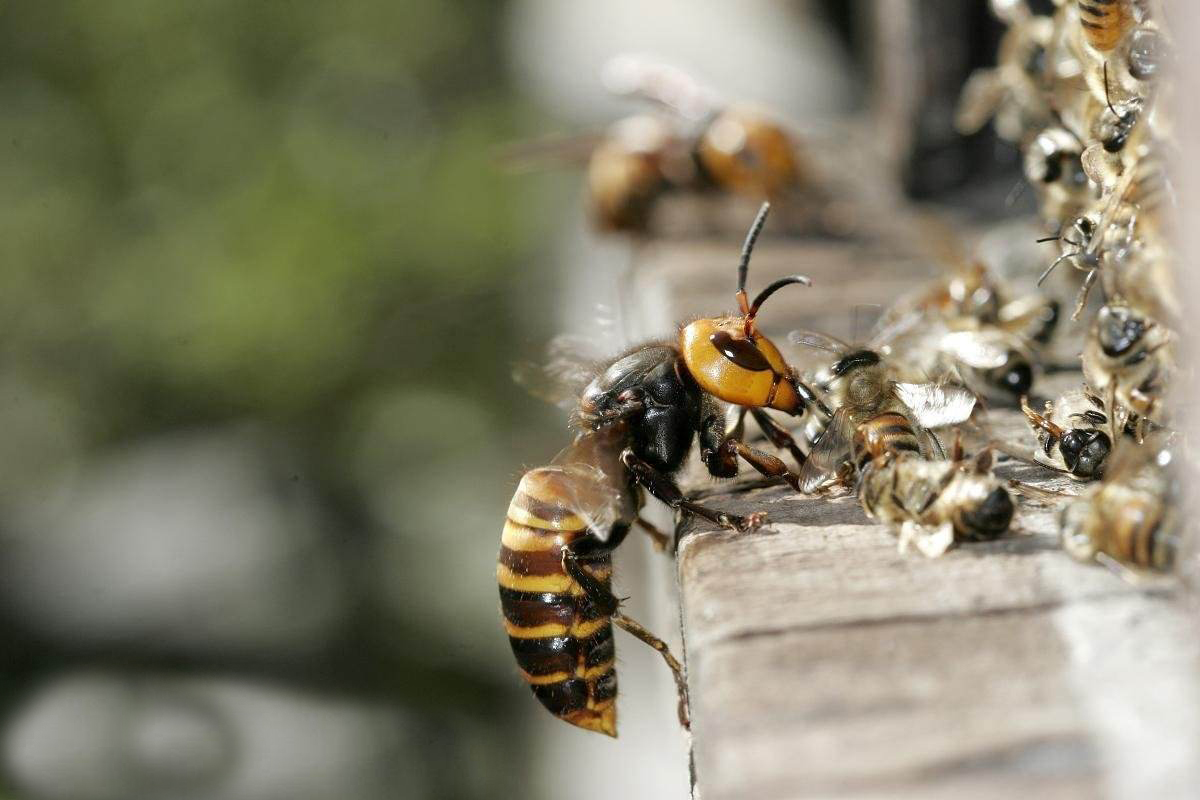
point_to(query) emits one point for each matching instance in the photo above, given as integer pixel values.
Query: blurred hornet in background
(691, 142)
(704, 144)
(1132, 521)
(637, 419)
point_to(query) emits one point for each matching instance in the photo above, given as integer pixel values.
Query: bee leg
(662, 487)
(607, 603)
(778, 435)
(660, 539)
(635, 629)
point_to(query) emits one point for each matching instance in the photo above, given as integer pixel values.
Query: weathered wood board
(824, 663)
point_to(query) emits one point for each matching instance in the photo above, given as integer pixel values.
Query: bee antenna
(744, 264)
(1047, 239)
(1107, 100)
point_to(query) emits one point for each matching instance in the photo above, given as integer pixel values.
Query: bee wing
(632, 75)
(568, 367)
(975, 349)
(1025, 315)
(893, 327)
(818, 341)
(936, 406)
(931, 540)
(831, 449)
(980, 97)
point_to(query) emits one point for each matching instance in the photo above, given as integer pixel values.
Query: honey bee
(1013, 93)
(638, 418)
(1120, 36)
(936, 503)
(1105, 22)
(1131, 520)
(1127, 358)
(1054, 167)
(871, 406)
(1071, 433)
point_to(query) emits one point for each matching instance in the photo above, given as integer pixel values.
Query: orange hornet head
(731, 360)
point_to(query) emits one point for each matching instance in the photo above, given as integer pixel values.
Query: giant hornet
(637, 419)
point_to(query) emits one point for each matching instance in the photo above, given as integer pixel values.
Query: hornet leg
(662, 487)
(778, 435)
(606, 602)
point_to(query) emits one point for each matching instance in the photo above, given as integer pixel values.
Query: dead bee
(1127, 359)
(870, 401)
(638, 417)
(1054, 168)
(1072, 433)
(936, 503)
(1130, 521)
(1013, 93)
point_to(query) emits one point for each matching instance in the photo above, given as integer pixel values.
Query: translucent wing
(819, 341)
(976, 349)
(892, 327)
(935, 406)
(548, 152)
(592, 480)
(568, 367)
(830, 451)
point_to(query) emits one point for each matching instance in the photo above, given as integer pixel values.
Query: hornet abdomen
(562, 643)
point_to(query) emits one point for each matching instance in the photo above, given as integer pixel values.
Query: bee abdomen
(887, 432)
(1104, 22)
(1140, 539)
(561, 641)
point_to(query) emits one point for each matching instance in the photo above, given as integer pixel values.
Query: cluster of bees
(1081, 92)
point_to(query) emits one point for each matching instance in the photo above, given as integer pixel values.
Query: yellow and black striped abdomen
(1138, 537)
(563, 644)
(889, 432)
(1104, 22)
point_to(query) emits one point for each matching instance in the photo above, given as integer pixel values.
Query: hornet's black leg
(778, 435)
(606, 602)
(662, 487)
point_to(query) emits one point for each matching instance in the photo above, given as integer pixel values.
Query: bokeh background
(263, 279)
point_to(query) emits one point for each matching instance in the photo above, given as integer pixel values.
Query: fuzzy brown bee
(1132, 518)
(1127, 358)
(638, 416)
(1105, 22)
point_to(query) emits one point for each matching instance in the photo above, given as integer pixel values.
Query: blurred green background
(283, 217)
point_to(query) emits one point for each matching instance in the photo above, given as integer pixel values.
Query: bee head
(1118, 330)
(1014, 377)
(990, 518)
(1084, 452)
(1145, 56)
(731, 360)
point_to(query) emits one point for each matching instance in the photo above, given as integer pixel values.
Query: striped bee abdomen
(1138, 536)
(1104, 22)
(562, 642)
(886, 432)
